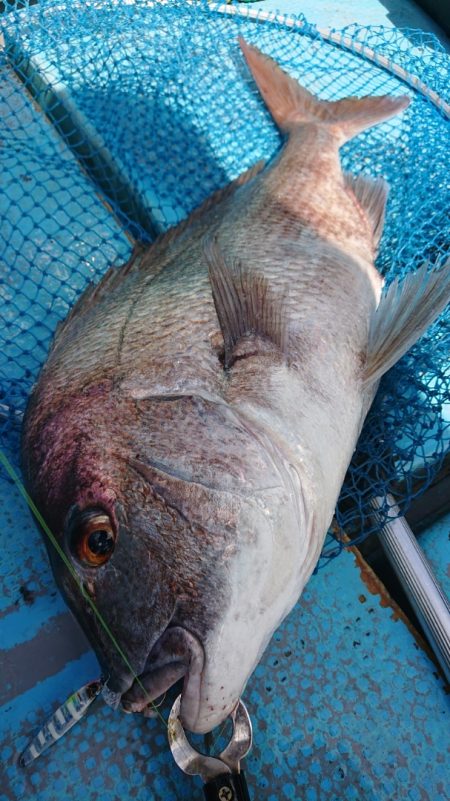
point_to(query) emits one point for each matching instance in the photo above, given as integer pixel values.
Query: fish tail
(291, 105)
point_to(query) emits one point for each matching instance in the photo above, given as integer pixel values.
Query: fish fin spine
(244, 303)
(291, 104)
(404, 313)
(371, 194)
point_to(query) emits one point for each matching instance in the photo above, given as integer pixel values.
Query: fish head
(176, 526)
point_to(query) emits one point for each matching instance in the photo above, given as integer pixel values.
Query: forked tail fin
(291, 104)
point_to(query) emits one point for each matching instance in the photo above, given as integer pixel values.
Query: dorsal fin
(372, 194)
(244, 303)
(404, 313)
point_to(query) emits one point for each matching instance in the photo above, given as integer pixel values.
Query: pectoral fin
(404, 313)
(244, 302)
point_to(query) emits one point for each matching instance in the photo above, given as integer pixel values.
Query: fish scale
(200, 407)
(168, 337)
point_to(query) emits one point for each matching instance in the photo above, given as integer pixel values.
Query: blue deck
(435, 542)
(346, 704)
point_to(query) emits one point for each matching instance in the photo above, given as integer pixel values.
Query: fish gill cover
(154, 102)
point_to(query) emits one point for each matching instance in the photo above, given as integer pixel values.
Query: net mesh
(119, 118)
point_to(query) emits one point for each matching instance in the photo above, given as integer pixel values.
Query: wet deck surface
(435, 542)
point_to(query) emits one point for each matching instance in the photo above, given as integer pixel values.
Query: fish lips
(176, 654)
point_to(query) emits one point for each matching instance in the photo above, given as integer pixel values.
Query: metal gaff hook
(222, 776)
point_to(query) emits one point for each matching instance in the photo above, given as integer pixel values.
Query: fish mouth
(177, 654)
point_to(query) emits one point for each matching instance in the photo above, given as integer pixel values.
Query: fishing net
(134, 112)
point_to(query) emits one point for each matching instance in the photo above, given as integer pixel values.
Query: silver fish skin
(189, 434)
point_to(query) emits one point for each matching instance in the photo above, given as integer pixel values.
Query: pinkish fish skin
(208, 397)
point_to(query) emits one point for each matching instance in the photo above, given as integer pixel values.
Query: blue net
(120, 118)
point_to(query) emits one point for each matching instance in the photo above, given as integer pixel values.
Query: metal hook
(62, 720)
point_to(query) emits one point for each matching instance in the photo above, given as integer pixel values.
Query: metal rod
(417, 579)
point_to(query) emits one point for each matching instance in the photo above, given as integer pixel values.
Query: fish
(189, 433)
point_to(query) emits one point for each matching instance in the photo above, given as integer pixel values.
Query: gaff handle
(227, 787)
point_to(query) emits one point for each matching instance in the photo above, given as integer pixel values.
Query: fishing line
(35, 511)
(32, 506)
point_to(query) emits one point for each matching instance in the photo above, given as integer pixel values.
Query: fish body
(199, 409)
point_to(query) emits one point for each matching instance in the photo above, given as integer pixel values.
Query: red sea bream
(189, 434)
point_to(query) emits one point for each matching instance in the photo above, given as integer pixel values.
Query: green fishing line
(29, 501)
(32, 506)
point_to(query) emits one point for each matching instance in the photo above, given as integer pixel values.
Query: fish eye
(93, 538)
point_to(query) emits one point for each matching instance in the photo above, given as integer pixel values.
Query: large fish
(189, 434)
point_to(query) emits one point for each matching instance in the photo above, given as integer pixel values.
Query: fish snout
(177, 654)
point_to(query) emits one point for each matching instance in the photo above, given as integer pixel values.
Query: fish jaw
(264, 564)
(277, 551)
(177, 654)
